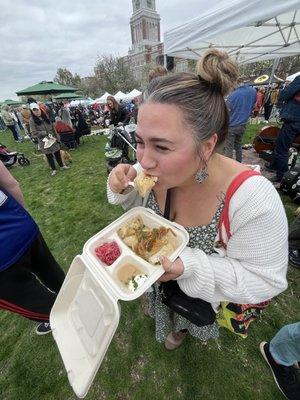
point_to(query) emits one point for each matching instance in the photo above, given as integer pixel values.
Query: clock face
(149, 3)
(137, 4)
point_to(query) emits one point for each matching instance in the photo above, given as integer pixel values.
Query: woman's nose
(145, 159)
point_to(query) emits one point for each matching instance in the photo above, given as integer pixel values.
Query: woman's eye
(139, 143)
(162, 148)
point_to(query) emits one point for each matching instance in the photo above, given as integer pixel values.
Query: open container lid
(84, 319)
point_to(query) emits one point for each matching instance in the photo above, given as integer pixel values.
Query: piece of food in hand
(144, 183)
(108, 252)
(166, 251)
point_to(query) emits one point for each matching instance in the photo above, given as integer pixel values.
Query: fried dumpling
(144, 183)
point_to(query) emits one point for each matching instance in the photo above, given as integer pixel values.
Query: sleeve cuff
(119, 198)
(190, 266)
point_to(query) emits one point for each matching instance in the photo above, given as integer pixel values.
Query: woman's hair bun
(215, 67)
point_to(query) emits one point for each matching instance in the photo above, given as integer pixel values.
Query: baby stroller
(121, 147)
(9, 157)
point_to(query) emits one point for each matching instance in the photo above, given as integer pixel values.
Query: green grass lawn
(71, 207)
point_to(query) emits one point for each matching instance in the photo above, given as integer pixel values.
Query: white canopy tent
(249, 31)
(103, 98)
(84, 102)
(290, 78)
(119, 95)
(134, 93)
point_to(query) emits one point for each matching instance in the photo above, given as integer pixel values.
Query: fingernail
(161, 258)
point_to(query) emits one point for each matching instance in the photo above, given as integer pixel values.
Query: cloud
(40, 36)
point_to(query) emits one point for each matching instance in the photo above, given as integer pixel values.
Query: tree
(65, 77)
(91, 86)
(114, 74)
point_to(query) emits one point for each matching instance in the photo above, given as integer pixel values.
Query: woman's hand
(120, 176)
(172, 269)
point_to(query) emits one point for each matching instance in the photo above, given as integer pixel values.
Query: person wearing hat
(48, 141)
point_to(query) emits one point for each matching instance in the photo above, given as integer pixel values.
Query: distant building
(145, 36)
(146, 46)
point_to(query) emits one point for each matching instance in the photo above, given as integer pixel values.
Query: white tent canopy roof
(120, 95)
(103, 98)
(290, 78)
(134, 93)
(248, 30)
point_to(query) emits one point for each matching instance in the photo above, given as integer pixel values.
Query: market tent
(46, 88)
(248, 30)
(68, 96)
(82, 102)
(290, 78)
(12, 102)
(103, 98)
(134, 93)
(119, 95)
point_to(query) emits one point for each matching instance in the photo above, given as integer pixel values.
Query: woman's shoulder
(257, 195)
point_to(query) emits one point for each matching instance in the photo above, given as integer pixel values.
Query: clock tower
(145, 35)
(144, 23)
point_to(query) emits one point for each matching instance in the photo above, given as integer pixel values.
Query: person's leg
(18, 130)
(280, 354)
(44, 265)
(229, 143)
(51, 161)
(14, 132)
(58, 158)
(286, 136)
(239, 132)
(268, 110)
(23, 293)
(285, 345)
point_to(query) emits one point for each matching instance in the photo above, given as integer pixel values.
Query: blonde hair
(156, 72)
(200, 96)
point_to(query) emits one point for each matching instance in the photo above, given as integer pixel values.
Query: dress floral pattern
(166, 320)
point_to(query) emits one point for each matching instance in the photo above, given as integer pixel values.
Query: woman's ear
(208, 146)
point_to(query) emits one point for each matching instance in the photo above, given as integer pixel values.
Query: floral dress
(202, 237)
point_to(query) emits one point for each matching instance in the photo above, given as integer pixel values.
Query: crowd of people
(49, 125)
(188, 127)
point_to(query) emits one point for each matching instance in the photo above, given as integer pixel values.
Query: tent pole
(274, 67)
(268, 89)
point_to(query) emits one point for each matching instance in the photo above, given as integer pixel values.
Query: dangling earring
(202, 175)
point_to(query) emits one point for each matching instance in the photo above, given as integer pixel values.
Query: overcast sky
(39, 36)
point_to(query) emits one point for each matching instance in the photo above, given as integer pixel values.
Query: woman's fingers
(120, 176)
(172, 269)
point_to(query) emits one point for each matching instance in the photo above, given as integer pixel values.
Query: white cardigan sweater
(253, 267)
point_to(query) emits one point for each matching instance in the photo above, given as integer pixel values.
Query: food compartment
(150, 238)
(130, 274)
(107, 249)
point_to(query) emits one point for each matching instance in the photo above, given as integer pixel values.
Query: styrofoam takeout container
(86, 312)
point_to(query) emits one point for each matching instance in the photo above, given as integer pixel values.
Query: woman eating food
(181, 123)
